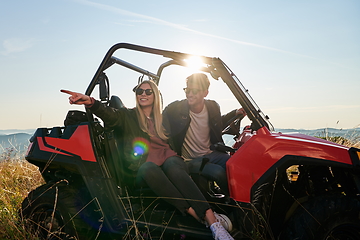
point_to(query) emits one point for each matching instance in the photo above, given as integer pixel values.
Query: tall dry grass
(350, 139)
(17, 179)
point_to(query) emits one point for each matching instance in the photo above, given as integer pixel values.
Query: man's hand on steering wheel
(241, 111)
(233, 125)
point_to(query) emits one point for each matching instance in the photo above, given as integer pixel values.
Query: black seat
(115, 102)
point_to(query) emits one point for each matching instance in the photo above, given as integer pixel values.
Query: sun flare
(194, 63)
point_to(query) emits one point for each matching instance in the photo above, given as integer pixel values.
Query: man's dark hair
(199, 79)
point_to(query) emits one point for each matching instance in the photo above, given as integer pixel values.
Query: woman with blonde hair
(156, 165)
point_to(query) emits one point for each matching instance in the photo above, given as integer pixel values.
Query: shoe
(224, 220)
(219, 232)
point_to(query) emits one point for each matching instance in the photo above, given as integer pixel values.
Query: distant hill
(14, 145)
(13, 131)
(351, 134)
(323, 132)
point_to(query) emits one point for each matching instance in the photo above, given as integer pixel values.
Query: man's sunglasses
(140, 91)
(193, 90)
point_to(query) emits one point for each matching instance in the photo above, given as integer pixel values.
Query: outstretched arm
(77, 98)
(111, 116)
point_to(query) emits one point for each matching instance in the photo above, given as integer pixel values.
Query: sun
(194, 63)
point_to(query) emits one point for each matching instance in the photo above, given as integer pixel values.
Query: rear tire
(56, 211)
(325, 218)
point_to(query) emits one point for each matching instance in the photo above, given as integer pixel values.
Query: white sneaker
(224, 220)
(219, 232)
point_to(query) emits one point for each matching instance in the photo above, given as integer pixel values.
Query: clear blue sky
(300, 60)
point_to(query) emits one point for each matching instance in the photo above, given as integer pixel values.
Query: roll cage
(215, 66)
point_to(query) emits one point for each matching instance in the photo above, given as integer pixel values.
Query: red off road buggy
(282, 186)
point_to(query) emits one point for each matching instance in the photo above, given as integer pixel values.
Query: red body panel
(262, 150)
(78, 144)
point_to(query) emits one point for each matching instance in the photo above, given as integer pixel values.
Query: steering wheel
(232, 126)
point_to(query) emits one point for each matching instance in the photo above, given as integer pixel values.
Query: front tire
(325, 218)
(57, 211)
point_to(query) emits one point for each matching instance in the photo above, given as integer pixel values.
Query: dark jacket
(176, 121)
(131, 139)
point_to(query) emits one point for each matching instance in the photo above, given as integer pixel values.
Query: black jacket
(176, 121)
(130, 138)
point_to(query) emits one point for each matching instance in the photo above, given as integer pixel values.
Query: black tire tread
(316, 218)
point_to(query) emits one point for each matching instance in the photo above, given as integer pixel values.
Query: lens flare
(140, 147)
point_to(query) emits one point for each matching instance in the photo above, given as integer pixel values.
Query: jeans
(172, 182)
(214, 170)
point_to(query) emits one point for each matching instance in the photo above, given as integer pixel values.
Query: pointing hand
(77, 98)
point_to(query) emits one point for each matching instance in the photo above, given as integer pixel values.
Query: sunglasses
(193, 90)
(140, 91)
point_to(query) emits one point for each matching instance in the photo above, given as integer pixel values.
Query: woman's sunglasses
(140, 91)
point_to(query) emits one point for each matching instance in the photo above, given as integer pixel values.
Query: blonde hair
(156, 112)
